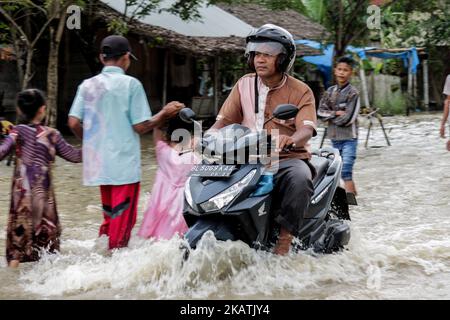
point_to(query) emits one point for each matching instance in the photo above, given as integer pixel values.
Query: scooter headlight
(225, 197)
(187, 192)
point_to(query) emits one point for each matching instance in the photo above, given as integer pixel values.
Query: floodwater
(400, 245)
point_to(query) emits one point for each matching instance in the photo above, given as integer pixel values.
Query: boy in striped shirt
(340, 107)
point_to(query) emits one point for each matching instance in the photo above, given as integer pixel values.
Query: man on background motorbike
(271, 53)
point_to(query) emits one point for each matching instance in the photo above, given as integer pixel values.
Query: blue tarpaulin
(324, 62)
(405, 56)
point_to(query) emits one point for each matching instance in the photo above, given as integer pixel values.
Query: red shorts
(119, 212)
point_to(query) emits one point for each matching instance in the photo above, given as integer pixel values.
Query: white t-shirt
(447, 86)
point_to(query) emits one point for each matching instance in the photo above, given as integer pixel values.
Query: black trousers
(292, 193)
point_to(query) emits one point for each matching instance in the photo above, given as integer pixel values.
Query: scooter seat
(321, 164)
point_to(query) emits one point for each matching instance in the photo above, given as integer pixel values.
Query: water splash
(399, 246)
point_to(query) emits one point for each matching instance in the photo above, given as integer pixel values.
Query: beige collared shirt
(239, 107)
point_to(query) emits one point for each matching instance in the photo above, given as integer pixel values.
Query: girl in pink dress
(163, 217)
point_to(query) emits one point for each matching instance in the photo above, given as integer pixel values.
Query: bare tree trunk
(338, 45)
(17, 50)
(52, 68)
(52, 82)
(23, 36)
(20, 36)
(340, 34)
(28, 75)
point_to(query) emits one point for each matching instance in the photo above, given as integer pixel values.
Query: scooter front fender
(220, 229)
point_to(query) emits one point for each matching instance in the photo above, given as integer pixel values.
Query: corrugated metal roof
(297, 24)
(214, 22)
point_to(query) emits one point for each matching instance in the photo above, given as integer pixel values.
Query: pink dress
(164, 215)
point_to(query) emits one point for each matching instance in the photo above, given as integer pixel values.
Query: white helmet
(273, 40)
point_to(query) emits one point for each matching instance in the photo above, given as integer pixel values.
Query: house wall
(149, 69)
(385, 93)
(74, 69)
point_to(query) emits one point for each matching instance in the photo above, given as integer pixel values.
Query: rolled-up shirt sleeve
(139, 108)
(307, 112)
(77, 109)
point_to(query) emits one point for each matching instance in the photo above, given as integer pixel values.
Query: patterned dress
(33, 222)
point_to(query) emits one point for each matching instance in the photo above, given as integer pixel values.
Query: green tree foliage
(346, 20)
(316, 10)
(4, 32)
(417, 23)
(25, 22)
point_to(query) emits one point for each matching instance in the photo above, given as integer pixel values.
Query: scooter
(229, 192)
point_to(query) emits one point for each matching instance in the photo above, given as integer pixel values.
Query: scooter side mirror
(285, 111)
(187, 115)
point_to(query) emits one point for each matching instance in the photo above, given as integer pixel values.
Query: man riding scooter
(271, 53)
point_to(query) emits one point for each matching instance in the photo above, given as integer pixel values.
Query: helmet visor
(271, 48)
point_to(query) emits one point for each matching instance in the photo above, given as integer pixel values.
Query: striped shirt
(33, 221)
(38, 145)
(345, 98)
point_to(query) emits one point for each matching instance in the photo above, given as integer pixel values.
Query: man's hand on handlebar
(285, 143)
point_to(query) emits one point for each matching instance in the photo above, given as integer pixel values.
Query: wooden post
(409, 78)
(364, 85)
(145, 70)
(409, 81)
(368, 133)
(426, 97)
(372, 87)
(410, 85)
(216, 85)
(66, 74)
(415, 90)
(380, 120)
(166, 68)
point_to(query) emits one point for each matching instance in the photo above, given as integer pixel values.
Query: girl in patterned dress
(33, 222)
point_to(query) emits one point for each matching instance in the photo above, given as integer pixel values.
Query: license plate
(207, 170)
